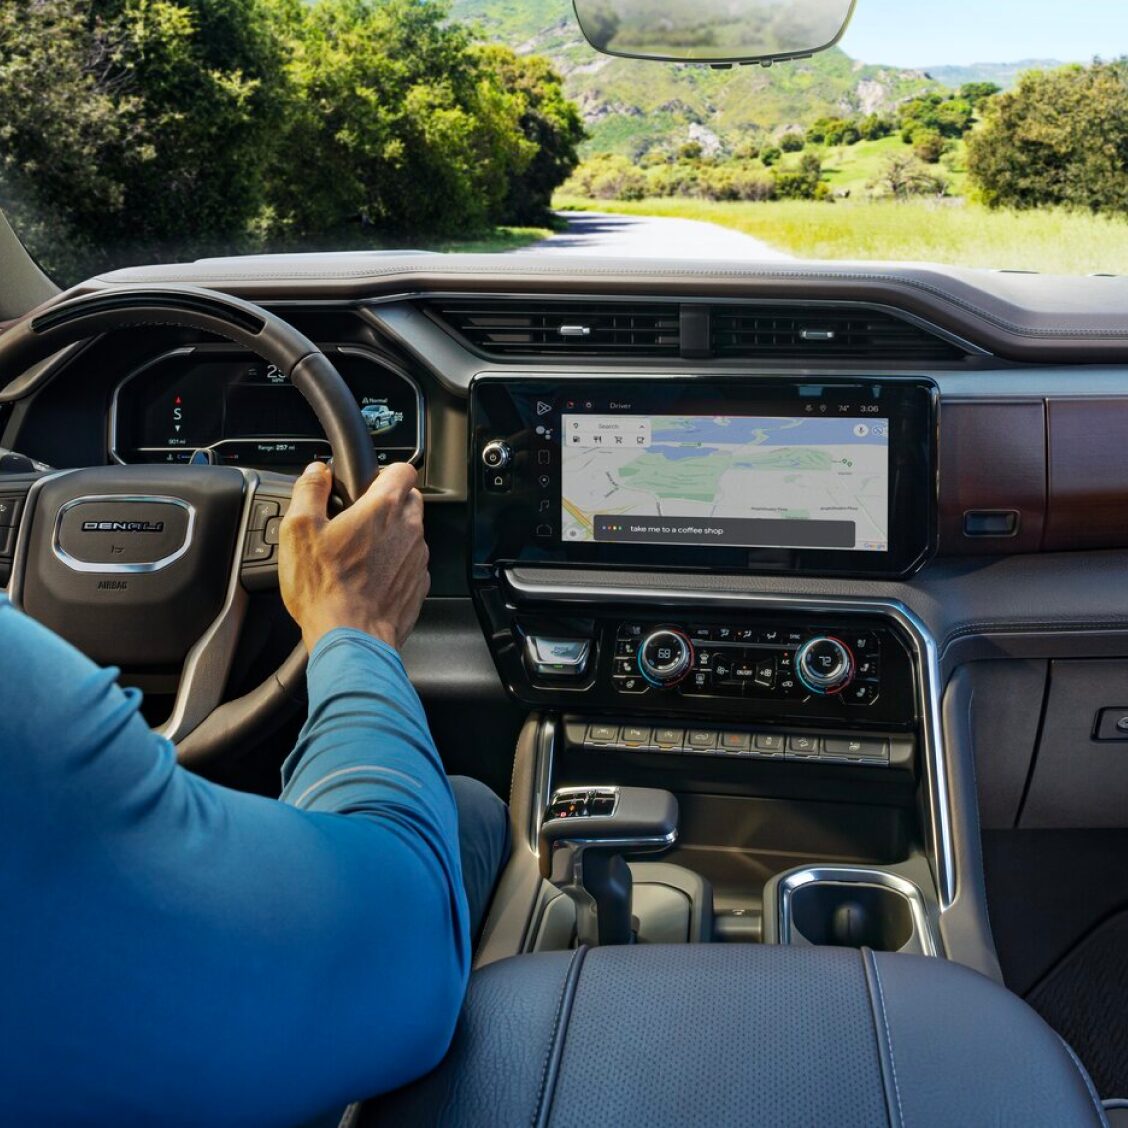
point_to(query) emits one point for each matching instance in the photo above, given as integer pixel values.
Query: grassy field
(852, 168)
(1053, 242)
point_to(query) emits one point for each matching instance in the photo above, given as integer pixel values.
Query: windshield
(140, 131)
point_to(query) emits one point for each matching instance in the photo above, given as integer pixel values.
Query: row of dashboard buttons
(713, 742)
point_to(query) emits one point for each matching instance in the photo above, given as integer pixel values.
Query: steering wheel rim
(199, 733)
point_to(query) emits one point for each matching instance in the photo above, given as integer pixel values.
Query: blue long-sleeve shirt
(176, 952)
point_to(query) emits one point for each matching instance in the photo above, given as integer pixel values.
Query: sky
(919, 33)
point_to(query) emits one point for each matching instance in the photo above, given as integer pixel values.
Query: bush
(792, 142)
(903, 176)
(873, 127)
(928, 146)
(770, 155)
(1059, 138)
(672, 180)
(802, 182)
(608, 176)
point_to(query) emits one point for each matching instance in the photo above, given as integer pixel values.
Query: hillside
(1002, 74)
(630, 106)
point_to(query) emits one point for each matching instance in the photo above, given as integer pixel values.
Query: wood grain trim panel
(992, 456)
(1088, 473)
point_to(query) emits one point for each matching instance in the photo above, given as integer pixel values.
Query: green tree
(949, 116)
(397, 123)
(976, 92)
(548, 120)
(134, 129)
(1059, 138)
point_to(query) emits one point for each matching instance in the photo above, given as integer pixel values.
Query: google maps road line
(650, 236)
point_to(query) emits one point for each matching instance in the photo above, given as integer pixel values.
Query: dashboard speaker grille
(837, 334)
(565, 328)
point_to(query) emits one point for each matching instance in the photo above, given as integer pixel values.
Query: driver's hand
(366, 568)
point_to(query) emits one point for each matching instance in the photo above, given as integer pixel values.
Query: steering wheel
(128, 562)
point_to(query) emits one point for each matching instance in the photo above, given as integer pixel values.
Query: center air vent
(564, 328)
(832, 333)
(749, 331)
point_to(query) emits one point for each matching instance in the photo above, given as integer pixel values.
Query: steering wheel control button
(9, 511)
(262, 512)
(256, 550)
(496, 455)
(665, 657)
(558, 658)
(824, 664)
(271, 533)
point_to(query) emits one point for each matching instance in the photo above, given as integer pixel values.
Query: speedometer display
(245, 412)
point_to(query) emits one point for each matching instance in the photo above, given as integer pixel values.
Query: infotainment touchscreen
(808, 481)
(715, 474)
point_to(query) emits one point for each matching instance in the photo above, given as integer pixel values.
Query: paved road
(646, 236)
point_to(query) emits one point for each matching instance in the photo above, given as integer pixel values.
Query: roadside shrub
(608, 176)
(677, 179)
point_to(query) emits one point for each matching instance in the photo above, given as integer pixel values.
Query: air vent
(755, 332)
(564, 328)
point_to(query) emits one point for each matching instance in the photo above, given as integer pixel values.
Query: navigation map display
(803, 482)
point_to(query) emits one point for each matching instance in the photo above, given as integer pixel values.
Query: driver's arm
(182, 953)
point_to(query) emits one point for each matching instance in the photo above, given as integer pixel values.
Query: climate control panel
(766, 665)
(771, 661)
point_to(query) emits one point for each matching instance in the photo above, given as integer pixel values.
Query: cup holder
(852, 916)
(853, 908)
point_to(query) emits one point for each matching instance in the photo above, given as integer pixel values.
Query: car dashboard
(761, 536)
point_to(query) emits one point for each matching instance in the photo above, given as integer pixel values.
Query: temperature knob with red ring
(665, 656)
(825, 664)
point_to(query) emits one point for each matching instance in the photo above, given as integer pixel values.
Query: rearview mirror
(713, 31)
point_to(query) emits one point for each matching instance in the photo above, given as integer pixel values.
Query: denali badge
(123, 526)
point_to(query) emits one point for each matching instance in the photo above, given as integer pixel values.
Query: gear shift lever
(585, 833)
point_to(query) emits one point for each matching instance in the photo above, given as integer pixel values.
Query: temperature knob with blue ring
(665, 656)
(825, 664)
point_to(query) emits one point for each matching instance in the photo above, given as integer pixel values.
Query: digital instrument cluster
(213, 403)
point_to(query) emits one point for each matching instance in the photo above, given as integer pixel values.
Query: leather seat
(649, 1037)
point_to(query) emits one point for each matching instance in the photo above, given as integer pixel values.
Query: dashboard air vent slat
(835, 334)
(565, 328)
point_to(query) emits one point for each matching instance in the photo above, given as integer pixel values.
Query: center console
(799, 735)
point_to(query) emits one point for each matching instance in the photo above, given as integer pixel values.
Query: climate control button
(665, 656)
(824, 664)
